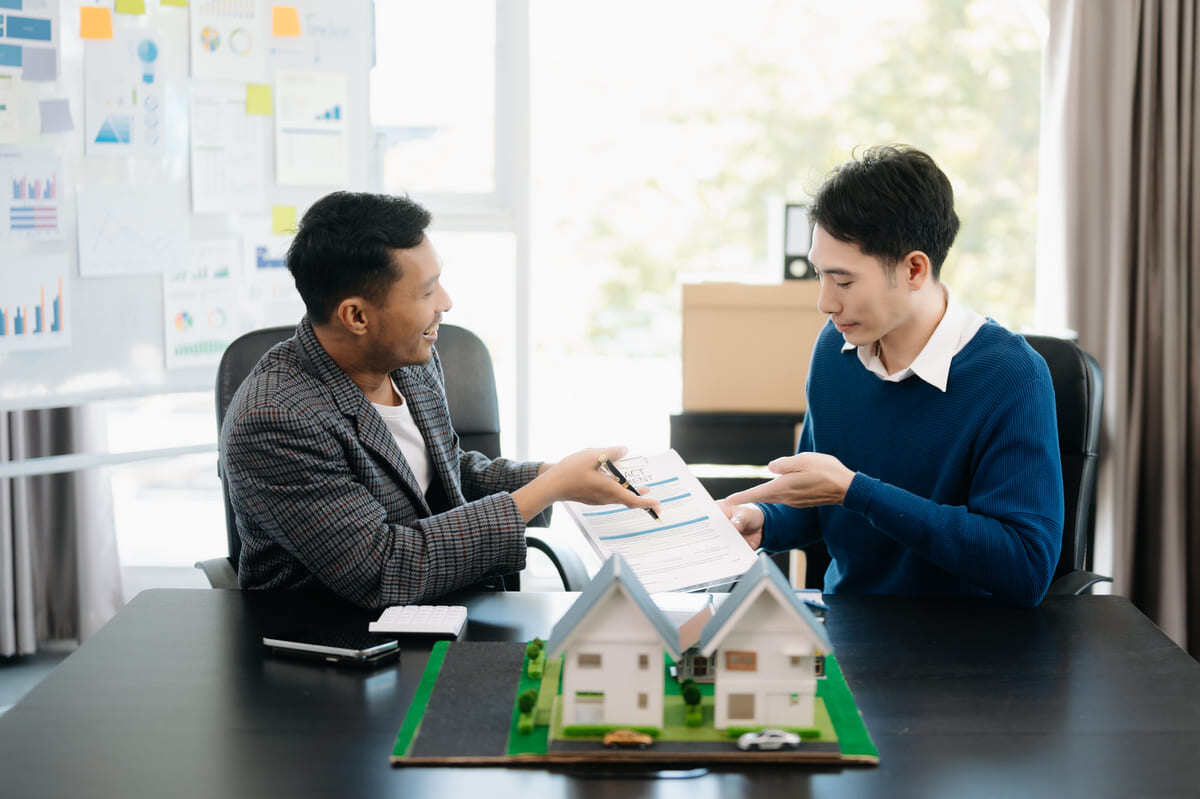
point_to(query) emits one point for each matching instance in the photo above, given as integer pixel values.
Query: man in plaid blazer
(342, 465)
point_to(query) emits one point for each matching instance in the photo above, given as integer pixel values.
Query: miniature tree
(536, 652)
(693, 716)
(526, 701)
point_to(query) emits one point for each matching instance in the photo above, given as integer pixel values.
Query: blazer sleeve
(290, 480)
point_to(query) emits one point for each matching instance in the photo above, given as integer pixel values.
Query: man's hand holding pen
(581, 477)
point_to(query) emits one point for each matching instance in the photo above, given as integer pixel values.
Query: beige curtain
(1121, 212)
(60, 575)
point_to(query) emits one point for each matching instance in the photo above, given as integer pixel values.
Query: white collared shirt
(958, 326)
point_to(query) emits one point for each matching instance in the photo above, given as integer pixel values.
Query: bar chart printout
(33, 303)
(32, 196)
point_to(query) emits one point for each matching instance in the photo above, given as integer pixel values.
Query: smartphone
(341, 647)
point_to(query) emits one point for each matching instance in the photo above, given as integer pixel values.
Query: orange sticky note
(95, 22)
(285, 21)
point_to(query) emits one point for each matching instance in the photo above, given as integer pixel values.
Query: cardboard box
(746, 347)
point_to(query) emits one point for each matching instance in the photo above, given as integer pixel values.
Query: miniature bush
(598, 730)
(533, 650)
(691, 693)
(536, 652)
(527, 701)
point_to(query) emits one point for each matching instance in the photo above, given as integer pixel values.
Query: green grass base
(416, 711)
(535, 741)
(853, 737)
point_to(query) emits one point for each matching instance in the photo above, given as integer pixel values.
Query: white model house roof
(764, 575)
(615, 575)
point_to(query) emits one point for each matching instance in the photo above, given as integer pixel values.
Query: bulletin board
(154, 157)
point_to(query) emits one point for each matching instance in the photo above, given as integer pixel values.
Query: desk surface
(1080, 697)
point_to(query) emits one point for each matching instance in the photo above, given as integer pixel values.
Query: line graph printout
(228, 147)
(131, 229)
(691, 545)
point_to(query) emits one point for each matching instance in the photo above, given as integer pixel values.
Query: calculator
(435, 620)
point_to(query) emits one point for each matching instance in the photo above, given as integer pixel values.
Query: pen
(615, 472)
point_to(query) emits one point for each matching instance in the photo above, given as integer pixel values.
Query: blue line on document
(662, 482)
(654, 529)
(618, 510)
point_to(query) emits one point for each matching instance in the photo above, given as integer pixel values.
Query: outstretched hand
(805, 481)
(579, 477)
(746, 519)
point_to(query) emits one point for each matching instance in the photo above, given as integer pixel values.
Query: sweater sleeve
(785, 527)
(1007, 538)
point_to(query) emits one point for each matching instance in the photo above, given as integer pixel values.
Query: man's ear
(916, 269)
(351, 314)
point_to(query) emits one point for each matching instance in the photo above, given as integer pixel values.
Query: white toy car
(767, 739)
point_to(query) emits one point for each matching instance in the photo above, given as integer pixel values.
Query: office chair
(474, 413)
(1078, 397)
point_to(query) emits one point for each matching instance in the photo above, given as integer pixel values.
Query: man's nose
(826, 303)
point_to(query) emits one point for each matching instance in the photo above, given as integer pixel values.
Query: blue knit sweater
(954, 493)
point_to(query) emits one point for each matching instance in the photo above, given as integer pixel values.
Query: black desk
(175, 697)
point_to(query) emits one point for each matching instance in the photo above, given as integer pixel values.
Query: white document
(311, 141)
(228, 147)
(33, 302)
(33, 204)
(131, 229)
(200, 304)
(691, 545)
(229, 39)
(123, 101)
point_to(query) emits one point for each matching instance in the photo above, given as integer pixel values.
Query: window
(741, 661)
(643, 661)
(643, 701)
(588, 660)
(661, 165)
(793, 699)
(740, 706)
(819, 665)
(700, 666)
(797, 661)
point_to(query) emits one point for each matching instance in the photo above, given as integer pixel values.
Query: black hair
(344, 248)
(889, 202)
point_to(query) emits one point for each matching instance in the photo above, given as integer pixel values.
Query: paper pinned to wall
(200, 304)
(95, 22)
(33, 187)
(258, 99)
(131, 229)
(55, 115)
(285, 21)
(39, 64)
(228, 148)
(29, 39)
(229, 39)
(311, 146)
(123, 106)
(10, 119)
(34, 300)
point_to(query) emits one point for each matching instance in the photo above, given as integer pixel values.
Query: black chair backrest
(1079, 397)
(239, 358)
(470, 389)
(470, 393)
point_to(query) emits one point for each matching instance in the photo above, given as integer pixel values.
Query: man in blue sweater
(928, 460)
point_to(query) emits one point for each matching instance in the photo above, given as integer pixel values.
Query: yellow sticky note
(130, 7)
(176, 3)
(285, 21)
(258, 99)
(95, 23)
(283, 219)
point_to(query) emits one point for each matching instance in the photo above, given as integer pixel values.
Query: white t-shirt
(400, 423)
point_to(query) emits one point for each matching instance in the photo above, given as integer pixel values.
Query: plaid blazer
(323, 495)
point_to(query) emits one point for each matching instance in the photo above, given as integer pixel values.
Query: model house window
(700, 666)
(794, 699)
(741, 706)
(819, 665)
(741, 661)
(589, 660)
(797, 660)
(643, 661)
(643, 701)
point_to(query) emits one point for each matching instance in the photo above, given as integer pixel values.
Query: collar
(958, 326)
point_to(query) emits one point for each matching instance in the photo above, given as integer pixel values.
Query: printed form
(690, 546)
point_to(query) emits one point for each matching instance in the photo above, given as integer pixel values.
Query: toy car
(768, 739)
(627, 738)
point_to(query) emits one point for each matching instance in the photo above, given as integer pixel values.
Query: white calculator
(442, 620)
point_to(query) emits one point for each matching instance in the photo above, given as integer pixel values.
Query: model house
(613, 637)
(771, 652)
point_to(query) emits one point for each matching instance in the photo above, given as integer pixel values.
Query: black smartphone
(338, 646)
